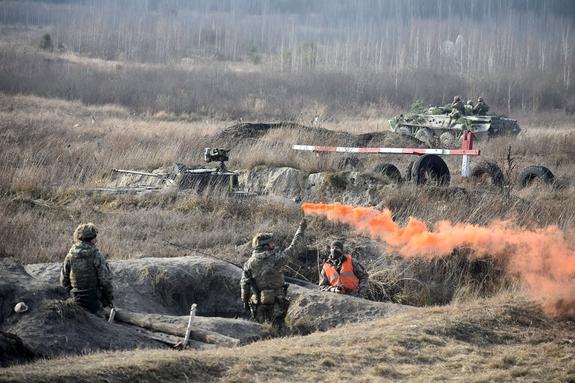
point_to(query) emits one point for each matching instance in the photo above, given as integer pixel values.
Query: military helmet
(261, 239)
(85, 232)
(480, 99)
(456, 99)
(469, 102)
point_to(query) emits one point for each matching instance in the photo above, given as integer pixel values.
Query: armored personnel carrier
(437, 126)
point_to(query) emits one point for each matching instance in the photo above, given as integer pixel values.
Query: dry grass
(50, 149)
(502, 339)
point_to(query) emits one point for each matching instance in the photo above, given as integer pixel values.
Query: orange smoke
(541, 258)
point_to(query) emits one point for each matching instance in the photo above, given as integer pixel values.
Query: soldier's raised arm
(297, 242)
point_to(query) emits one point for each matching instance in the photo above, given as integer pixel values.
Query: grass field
(503, 339)
(486, 329)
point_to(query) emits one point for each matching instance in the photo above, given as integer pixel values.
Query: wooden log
(147, 322)
(172, 340)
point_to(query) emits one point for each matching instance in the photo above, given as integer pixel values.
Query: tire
(424, 135)
(447, 140)
(430, 169)
(408, 171)
(390, 171)
(350, 163)
(535, 172)
(404, 131)
(488, 168)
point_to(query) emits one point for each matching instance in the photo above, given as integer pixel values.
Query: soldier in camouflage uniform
(457, 108)
(469, 107)
(343, 274)
(481, 108)
(85, 272)
(263, 287)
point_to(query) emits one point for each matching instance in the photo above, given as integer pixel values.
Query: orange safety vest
(345, 278)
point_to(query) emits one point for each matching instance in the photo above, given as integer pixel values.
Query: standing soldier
(263, 285)
(343, 274)
(481, 108)
(85, 272)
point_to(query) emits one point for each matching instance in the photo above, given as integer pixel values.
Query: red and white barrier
(465, 151)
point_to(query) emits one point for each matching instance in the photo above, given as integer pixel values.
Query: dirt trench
(165, 288)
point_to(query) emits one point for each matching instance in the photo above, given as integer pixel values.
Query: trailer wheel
(350, 163)
(424, 135)
(390, 171)
(486, 169)
(533, 173)
(408, 171)
(430, 169)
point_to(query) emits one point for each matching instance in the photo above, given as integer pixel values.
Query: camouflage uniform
(457, 108)
(469, 107)
(263, 287)
(85, 272)
(337, 259)
(481, 108)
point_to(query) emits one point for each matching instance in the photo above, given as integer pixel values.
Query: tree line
(518, 53)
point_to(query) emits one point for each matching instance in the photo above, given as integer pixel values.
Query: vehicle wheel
(488, 169)
(447, 140)
(350, 163)
(390, 171)
(533, 173)
(424, 135)
(408, 171)
(430, 170)
(404, 131)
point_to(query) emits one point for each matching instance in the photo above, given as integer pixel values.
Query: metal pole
(467, 144)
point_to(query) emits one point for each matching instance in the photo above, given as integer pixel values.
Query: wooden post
(189, 328)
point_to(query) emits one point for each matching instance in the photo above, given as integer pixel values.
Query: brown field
(71, 114)
(502, 339)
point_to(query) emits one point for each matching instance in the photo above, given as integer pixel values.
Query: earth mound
(163, 289)
(249, 133)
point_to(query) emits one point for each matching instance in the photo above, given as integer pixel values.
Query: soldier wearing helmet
(469, 107)
(457, 106)
(343, 274)
(85, 272)
(263, 287)
(481, 108)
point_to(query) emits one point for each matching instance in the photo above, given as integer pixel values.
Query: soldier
(457, 108)
(469, 107)
(343, 274)
(263, 287)
(457, 104)
(481, 108)
(85, 272)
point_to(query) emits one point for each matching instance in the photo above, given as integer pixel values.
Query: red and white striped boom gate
(465, 151)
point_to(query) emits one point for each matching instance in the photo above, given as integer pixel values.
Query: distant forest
(518, 54)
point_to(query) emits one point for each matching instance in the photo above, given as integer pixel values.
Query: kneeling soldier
(264, 291)
(85, 272)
